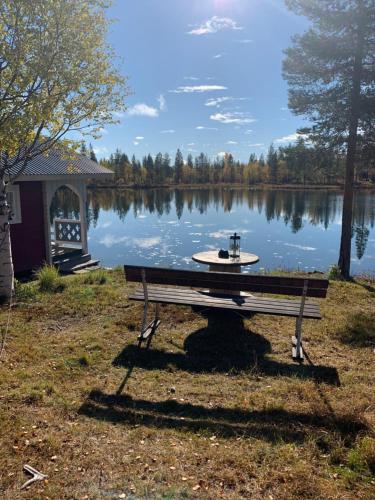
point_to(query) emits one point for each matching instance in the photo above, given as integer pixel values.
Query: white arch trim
(49, 189)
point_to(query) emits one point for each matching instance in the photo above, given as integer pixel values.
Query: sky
(204, 75)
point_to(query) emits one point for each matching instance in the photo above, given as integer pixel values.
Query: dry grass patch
(206, 412)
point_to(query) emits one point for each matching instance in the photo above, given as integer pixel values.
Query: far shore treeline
(297, 163)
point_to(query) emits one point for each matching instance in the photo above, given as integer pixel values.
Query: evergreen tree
(158, 168)
(149, 170)
(330, 70)
(136, 171)
(190, 161)
(273, 163)
(178, 167)
(166, 167)
(83, 149)
(92, 154)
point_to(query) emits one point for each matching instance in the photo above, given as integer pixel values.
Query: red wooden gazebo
(33, 240)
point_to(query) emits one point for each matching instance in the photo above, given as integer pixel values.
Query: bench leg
(297, 350)
(147, 332)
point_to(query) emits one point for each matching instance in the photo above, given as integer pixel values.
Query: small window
(13, 197)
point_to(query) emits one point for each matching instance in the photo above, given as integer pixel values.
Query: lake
(288, 229)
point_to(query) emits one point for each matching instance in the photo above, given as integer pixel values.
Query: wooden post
(82, 216)
(46, 220)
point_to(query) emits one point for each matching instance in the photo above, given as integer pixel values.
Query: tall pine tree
(178, 167)
(330, 70)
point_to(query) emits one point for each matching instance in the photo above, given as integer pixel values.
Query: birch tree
(57, 77)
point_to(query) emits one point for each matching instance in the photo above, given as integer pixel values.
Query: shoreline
(276, 187)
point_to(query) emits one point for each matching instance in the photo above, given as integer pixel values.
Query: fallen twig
(37, 476)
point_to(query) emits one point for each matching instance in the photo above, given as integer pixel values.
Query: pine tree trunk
(6, 262)
(347, 211)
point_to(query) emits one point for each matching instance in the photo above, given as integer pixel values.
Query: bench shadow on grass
(273, 424)
(216, 349)
(223, 347)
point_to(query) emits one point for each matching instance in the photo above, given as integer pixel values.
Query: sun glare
(223, 3)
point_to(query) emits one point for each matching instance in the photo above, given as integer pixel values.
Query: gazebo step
(85, 265)
(87, 269)
(71, 259)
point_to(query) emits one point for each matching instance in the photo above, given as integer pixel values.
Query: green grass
(359, 330)
(218, 411)
(49, 280)
(97, 277)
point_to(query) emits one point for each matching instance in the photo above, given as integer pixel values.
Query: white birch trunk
(6, 262)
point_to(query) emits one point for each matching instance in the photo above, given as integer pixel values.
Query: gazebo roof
(57, 164)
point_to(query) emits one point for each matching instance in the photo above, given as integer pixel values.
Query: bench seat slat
(248, 304)
(186, 292)
(228, 301)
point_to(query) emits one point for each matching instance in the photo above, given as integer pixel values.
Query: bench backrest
(278, 285)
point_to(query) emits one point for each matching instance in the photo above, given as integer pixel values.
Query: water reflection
(265, 211)
(293, 207)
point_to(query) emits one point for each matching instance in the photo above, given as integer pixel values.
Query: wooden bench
(189, 288)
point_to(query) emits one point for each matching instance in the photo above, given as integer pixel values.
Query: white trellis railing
(68, 231)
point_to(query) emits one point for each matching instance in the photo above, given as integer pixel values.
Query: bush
(49, 279)
(97, 277)
(367, 448)
(334, 274)
(24, 291)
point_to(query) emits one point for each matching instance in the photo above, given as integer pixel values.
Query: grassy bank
(219, 412)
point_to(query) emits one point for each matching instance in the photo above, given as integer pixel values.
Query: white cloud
(200, 127)
(191, 144)
(290, 138)
(136, 143)
(300, 247)
(228, 118)
(217, 101)
(100, 150)
(191, 78)
(214, 25)
(223, 233)
(246, 40)
(109, 240)
(143, 109)
(169, 131)
(190, 89)
(256, 145)
(218, 56)
(221, 154)
(147, 242)
(248, 132)
(139, 138)
(162, 103)
(232, 142)
(118, 114)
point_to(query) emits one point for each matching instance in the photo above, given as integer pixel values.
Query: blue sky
(205, 75)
